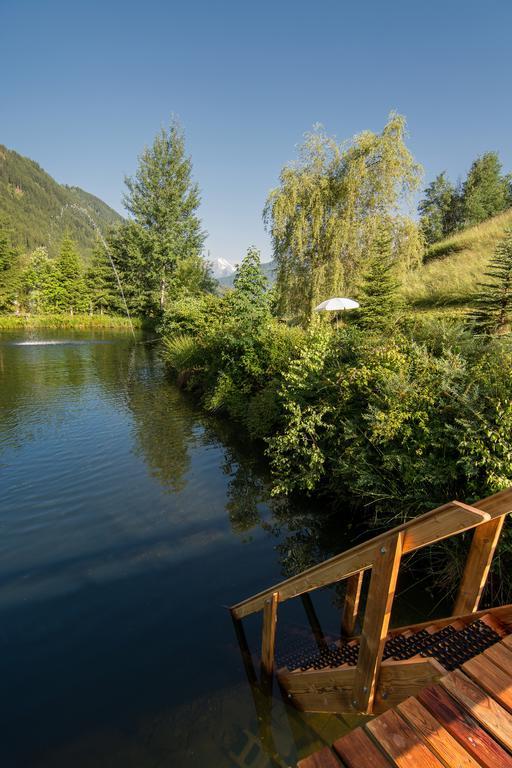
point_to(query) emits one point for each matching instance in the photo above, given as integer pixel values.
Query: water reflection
(128, 520)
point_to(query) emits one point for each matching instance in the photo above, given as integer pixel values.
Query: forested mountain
(35, 208)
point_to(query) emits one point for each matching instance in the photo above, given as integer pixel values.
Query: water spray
(98, 231)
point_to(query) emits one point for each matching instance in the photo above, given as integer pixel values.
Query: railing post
(268, 637)
(351, 605)
(376, 620)
(478, 563)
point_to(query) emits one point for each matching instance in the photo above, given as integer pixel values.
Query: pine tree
(7, 250)
(72, 292)
(493, 305)
(379, 293)
(485, 191)
(101, 283)
(437, 210)
(164, 200)
(249, 299)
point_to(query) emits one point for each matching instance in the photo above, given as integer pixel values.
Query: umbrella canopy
(336, 305)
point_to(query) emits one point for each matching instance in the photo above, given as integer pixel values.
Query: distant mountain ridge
(36, 208)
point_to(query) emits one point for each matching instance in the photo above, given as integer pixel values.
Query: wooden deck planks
(496, 720)
(440, 741)
(492, 679)
(401, 742)
(457, 721)
(355, 744)
(500, 655)
(462, 722)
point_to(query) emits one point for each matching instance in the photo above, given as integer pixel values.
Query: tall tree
(72, 293)
(41, 282)
(493, 305)
(485, 191)
(249, 299)
(7, 249)
(379, 292)
(438, 209)
(163, 200)
(325, 212)
(101, 282)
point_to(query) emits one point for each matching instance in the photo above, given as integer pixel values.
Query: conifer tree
(493, 305)
(249, 299)
(7, 249)
(379, 293)
(72, 293)
(101, 282)
(164, 200)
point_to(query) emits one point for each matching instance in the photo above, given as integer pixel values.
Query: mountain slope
(453, 267)
(36, 208)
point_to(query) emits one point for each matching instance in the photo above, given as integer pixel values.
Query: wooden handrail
(441, 523)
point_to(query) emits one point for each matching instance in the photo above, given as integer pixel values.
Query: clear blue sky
(85, 85)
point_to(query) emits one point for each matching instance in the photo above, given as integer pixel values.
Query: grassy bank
(54, 321)
(454, 267)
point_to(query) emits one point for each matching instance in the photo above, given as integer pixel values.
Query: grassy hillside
(454, 266)
(33, 206)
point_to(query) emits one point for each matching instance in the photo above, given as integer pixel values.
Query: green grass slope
(453, 267)
(34, 207)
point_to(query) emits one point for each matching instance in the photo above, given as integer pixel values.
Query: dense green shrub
(394, 421)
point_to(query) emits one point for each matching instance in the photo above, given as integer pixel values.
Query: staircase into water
(378, 668)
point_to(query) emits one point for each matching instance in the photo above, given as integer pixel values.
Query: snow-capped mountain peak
(221, 267)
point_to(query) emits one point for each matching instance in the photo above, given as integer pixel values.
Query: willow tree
(328, 208)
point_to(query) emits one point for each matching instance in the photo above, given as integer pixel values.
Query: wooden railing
(382, 555)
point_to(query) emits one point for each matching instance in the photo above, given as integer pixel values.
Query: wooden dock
(441, 691)
(463, 721)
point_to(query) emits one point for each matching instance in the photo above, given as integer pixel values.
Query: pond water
(128, 522)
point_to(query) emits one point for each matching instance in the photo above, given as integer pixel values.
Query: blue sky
(85, 85)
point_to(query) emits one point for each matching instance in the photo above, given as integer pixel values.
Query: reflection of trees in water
(163, 419)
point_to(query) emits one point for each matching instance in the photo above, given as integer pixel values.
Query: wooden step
(357, 743)
(440, 741)
(459, 723)
(401, 742)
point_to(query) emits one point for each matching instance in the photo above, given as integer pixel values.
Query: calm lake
(128, 521)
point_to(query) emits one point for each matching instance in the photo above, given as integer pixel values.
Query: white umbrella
(336, 305)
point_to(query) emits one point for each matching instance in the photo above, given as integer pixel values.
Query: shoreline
(56, 321)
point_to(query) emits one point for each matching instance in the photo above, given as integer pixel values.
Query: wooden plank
(454, 517)
(478, 563)
(268, 636)
(500, 655)
(457, 721)
(331, 690)
(491, 678)
(376, 620)
(440, 741)
(355, 744)
(324, 758)
(319, 690)
(507, 641)
(483, 708)
(401, 742)
(400, 679)
(314, 623)
(351, 605)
